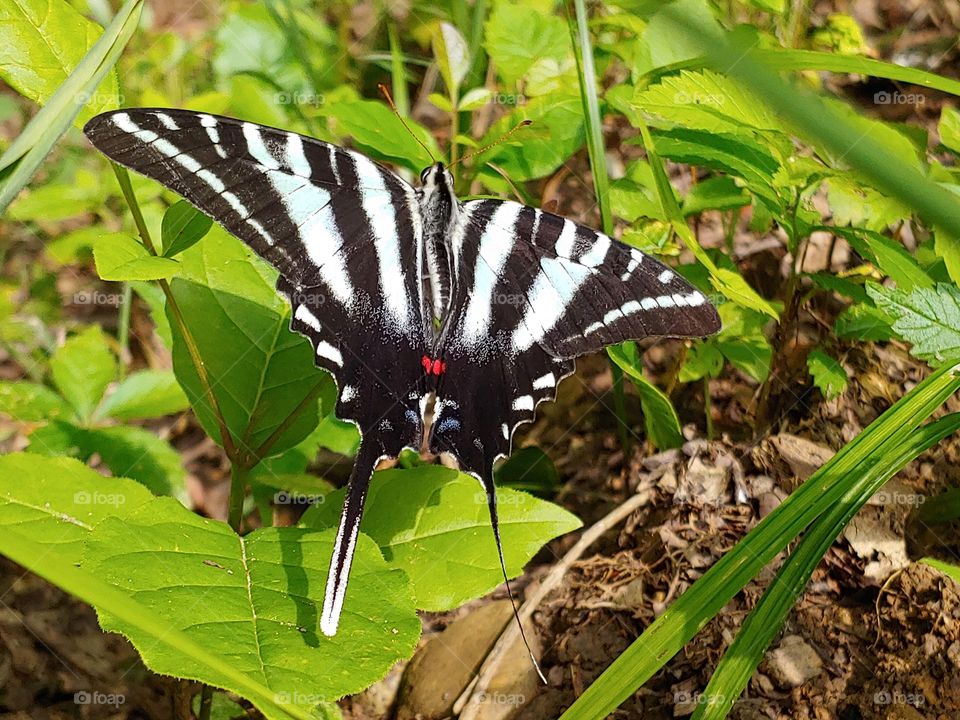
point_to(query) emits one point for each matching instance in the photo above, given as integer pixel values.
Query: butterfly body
(410, 297)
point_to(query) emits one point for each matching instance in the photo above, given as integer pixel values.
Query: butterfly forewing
(339, 229)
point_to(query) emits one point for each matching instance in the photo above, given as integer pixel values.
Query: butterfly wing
(338, 228)
(531, 292)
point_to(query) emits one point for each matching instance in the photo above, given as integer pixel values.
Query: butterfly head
(436, 177)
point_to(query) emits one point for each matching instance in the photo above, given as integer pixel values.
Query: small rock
(953, 653)
(803, 456)
(793, 663)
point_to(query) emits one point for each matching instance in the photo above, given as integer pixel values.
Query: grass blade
(738, 663)
(692, 610)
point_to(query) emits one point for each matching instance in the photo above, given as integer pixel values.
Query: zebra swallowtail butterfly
(481, 305)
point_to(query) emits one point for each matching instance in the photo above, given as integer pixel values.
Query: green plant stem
(126, 188)
(123, 330)
(620, 405)
(261, 452)
(206, 702)
(238, 487)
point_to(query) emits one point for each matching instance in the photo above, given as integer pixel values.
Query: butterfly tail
(368, 455)
(491, 492)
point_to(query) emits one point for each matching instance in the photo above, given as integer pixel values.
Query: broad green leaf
(828, 375)
(260, 371)
(518, 36)
(153, 296)
(949, 128)
(703, 360)
(53, 203)
(41, 43)
(30, 402)
(127, 450)
(888, 255)
(71, 246)
(714, 193)
(864, 322)
(145, 394)
(82, 368)
(376, 130)
(452, 54)
(183, 226)
(733, 286)
(659, 417)
(750, 354)
(122, 257)
(433, 523)
(948, 248)
(927, 318)
(529, 469)
(856, 204)
(58, 501)
(706, 101)
(660, 44)
(34, 556)
(737, 155)
(536, 151)
(254, 600)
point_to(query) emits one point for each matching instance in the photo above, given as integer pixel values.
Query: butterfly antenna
(386, 94)
(513, 602)
(502, 138)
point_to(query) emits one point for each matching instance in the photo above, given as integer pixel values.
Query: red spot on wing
(433, 366)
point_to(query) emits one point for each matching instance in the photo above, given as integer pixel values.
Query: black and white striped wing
(339, 228)
(531, 292)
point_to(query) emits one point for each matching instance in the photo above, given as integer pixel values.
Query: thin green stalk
(309, 399)
(398, 72)
(620, 405)
(238, 487)
(206, 702)
(123, 330)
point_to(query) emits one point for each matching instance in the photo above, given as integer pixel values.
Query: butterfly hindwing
(338, 228)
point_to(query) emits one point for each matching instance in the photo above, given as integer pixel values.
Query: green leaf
(376, 130)
(828, 375)
(518, 36)
(475, 99)
(82, 368)
(145, 394)
(41, 43)
(261, 595)
(714, 193)
(122, 257)
(183, 226)
(659, 418)
(703, 360)
(529, 469)
(536, 151)
(259, 369)
(54, 118)
(433, 523)
(452, 54)
(948, 248)
(53, 203)
(949, 128)
(29, 402)
(928, 318)
(736, 288)
(888, 255)
(863, 322)
(199, 601)
(706, 101)
(58, 501)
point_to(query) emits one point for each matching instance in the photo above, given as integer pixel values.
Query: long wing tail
(368, 455)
